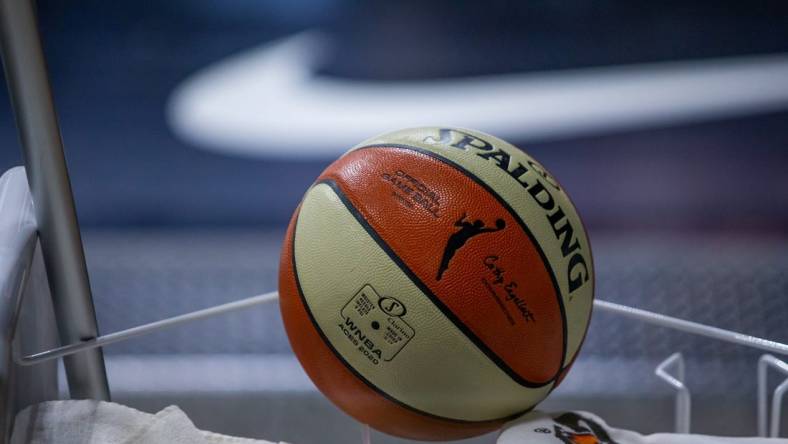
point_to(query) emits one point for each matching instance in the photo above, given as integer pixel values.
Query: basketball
(436, 282)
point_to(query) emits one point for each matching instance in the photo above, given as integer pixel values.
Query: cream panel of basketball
(458, 145)
(412, 352)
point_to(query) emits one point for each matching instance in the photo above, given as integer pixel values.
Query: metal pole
(31, 98)
(631, 312)
(144, 329)
(683, 401)
(692, 327)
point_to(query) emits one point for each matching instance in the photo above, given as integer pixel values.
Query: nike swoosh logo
(267, 102)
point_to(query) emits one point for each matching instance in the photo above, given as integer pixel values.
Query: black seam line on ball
(426, 290)
(352, 369)
(516, 217)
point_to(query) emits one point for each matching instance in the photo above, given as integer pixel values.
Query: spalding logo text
(577, 270)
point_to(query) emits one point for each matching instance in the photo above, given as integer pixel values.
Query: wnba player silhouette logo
(467, 230)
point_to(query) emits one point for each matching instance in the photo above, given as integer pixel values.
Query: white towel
(586, 428)
(97, 422)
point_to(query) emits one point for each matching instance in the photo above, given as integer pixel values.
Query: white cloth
(97, 422)
(586, 428)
